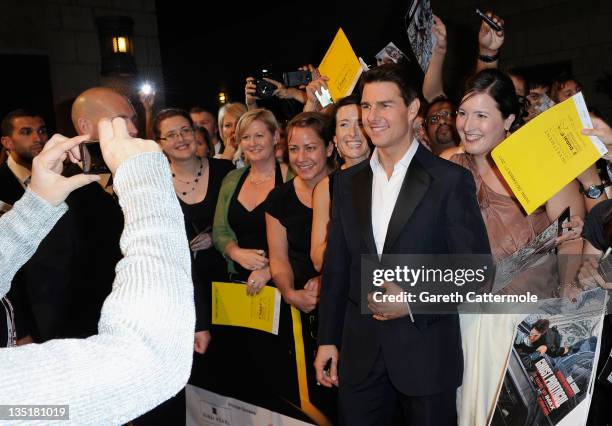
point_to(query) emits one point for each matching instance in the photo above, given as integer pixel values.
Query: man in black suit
(24, 135)
(98, 217)
(404, 201)
(41, 293)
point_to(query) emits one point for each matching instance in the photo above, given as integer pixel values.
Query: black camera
(91, 156)
(263, 88)
(297, 78)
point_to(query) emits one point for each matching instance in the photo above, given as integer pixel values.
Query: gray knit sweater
(142, 353)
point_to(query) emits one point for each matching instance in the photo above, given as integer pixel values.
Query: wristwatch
(593, 191)
(489, 59)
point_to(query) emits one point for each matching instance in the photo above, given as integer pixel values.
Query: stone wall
(65, 30)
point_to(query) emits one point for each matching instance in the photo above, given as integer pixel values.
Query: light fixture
(222, 98)
(120, 44)
(116, 45)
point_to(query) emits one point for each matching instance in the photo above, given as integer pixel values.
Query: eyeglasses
(184, 133)
(435, 118)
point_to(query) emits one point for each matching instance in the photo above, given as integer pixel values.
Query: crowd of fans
(256, 192)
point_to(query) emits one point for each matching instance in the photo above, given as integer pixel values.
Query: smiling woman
(485, 116)
(288, 225)
(353, 147)
(197, 181)
(239, 233)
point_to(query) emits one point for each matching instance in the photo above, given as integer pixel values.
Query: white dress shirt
(385, 192)
(22, 174)
(218, 147)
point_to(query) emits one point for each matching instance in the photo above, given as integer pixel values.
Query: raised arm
(433, 82)
(489, 44)
(142, 354)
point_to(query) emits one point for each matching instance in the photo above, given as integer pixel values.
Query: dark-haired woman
(288, 224)
(353, 147)
(197, 181)
(485, 116)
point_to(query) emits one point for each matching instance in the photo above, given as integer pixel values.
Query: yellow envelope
(232, 306)
(547, 153)
(342, 67)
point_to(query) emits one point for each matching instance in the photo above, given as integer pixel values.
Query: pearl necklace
(193, 182)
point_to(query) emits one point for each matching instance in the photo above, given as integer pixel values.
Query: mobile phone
(488, 20)
(297, 78)
(91, 156)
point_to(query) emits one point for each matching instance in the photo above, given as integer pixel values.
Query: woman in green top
(249, 357)
(239, 230)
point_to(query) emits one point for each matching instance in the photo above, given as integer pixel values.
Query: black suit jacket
(436, 213)
(60, 290)
(39, 292)
(10, 188)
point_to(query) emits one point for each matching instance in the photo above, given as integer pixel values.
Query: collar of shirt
(21, 173)
(218, 147)
(385, 192)
(402, 164)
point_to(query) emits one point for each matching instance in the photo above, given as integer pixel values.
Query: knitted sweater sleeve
(142, 353)
(21, 231)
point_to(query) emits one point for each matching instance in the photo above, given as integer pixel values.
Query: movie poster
(419, 21)
(551, 370)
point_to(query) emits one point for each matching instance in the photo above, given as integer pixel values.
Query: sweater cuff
(39, 215)
(147, 169)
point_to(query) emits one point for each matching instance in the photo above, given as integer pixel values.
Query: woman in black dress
(288, 224)
(197, 181)
(251, 358)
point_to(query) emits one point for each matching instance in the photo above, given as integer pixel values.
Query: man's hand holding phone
(47, 180)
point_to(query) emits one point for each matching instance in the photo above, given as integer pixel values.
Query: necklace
(262, 180)
(193, 182)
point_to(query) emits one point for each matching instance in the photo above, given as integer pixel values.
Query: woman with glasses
(197, 181)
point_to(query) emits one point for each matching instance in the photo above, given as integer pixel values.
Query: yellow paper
(341, 66)
(232, 306)
(547, 153)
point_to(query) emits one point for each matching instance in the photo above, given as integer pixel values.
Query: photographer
(141, 355)
(285, 99)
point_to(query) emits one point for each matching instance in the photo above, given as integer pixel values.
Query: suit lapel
(362, 202)
(415, 185)
(11, 190)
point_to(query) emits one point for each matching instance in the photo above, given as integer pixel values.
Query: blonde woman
(229, 114)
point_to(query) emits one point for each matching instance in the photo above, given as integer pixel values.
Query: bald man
(98, 216)
(101, 102)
